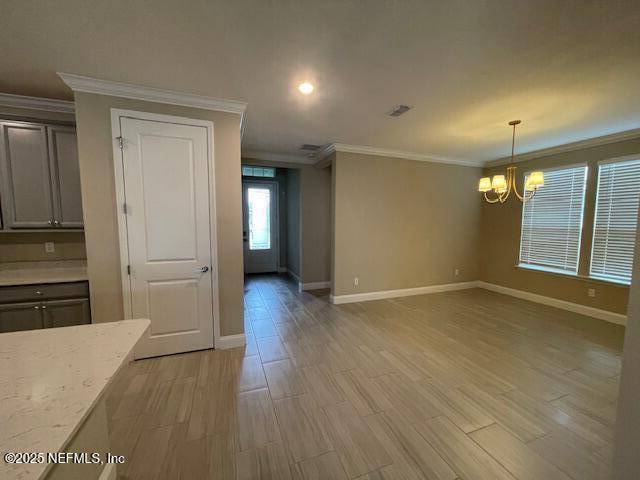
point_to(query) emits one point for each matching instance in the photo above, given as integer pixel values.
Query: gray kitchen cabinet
(40, 178)
(27, 307)
(65, 176)
(20, 316)
(65, 313)
(26, 178)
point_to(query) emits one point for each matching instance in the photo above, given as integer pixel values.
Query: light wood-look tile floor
(468, 385)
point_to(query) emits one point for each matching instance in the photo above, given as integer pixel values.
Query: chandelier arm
(511, 182)
(505, 196)
(486, 197)
(532, 193)
(515, 189)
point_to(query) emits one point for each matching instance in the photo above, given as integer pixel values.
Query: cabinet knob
(56, 223)
(36, 307)
(50, 222)
(38, 292)
(44, 307)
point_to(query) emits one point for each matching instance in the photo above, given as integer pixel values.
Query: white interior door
(166, 188)
(260, 235)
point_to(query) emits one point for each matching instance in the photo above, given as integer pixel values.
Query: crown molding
(36, 103)
(568, 147)
(384, 152)
(278, 157)
(79, 83)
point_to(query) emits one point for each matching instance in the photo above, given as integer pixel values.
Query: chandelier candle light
(504, 186)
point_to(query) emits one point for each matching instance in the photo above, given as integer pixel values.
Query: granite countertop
(50, 381)
(29, 273)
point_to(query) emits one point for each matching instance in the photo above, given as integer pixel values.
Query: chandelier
(502, 187)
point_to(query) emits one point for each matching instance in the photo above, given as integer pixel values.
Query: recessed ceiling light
(305, 88)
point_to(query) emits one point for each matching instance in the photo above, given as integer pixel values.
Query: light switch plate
(49, 247)
(591, 292)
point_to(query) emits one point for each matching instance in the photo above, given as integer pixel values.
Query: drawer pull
(38, 292)
(36, 307)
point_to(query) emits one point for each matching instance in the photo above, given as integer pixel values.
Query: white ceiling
(570, 69)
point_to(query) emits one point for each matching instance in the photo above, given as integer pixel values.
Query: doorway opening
(271, 224)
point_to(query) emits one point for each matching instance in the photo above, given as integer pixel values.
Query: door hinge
(124, 208)
(120, 142)
(128, 269)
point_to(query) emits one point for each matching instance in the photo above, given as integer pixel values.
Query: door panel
(166, 178)
(65, 168)
(174, 306)
(260, 206)
(26, 181)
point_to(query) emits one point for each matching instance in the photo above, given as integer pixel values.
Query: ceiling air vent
(399, 110)
(308, 147)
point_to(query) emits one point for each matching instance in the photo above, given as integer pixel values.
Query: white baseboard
(605, 315)
(297, 280)
(109, 472)
(231, 341)
(404, 292)
(294, 276)
(315, 285)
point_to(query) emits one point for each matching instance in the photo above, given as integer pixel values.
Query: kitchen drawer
(26, 293)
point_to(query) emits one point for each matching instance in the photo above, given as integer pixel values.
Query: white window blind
(614, 230)
(552, 222)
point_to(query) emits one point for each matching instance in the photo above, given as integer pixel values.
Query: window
(552, 222)
(267, 172)
(614, 230)
(259, 203)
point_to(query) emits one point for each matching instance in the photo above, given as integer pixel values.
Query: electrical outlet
(456, 272)
(355, 281)
(591, 292)
(49, 247)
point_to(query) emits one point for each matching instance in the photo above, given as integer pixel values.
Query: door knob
(204, 269)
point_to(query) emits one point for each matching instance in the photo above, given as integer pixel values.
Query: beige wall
(93, 114)
(293, 221)
(402, 224)
(500, 239)
(315, 219)
(29, 246)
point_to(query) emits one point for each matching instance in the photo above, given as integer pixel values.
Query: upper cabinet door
(65, 175)
(26, 179)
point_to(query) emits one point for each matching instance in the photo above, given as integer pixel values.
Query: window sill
(560, 273)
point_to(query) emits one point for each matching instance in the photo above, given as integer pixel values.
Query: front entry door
(260, 235)
(165, 170)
